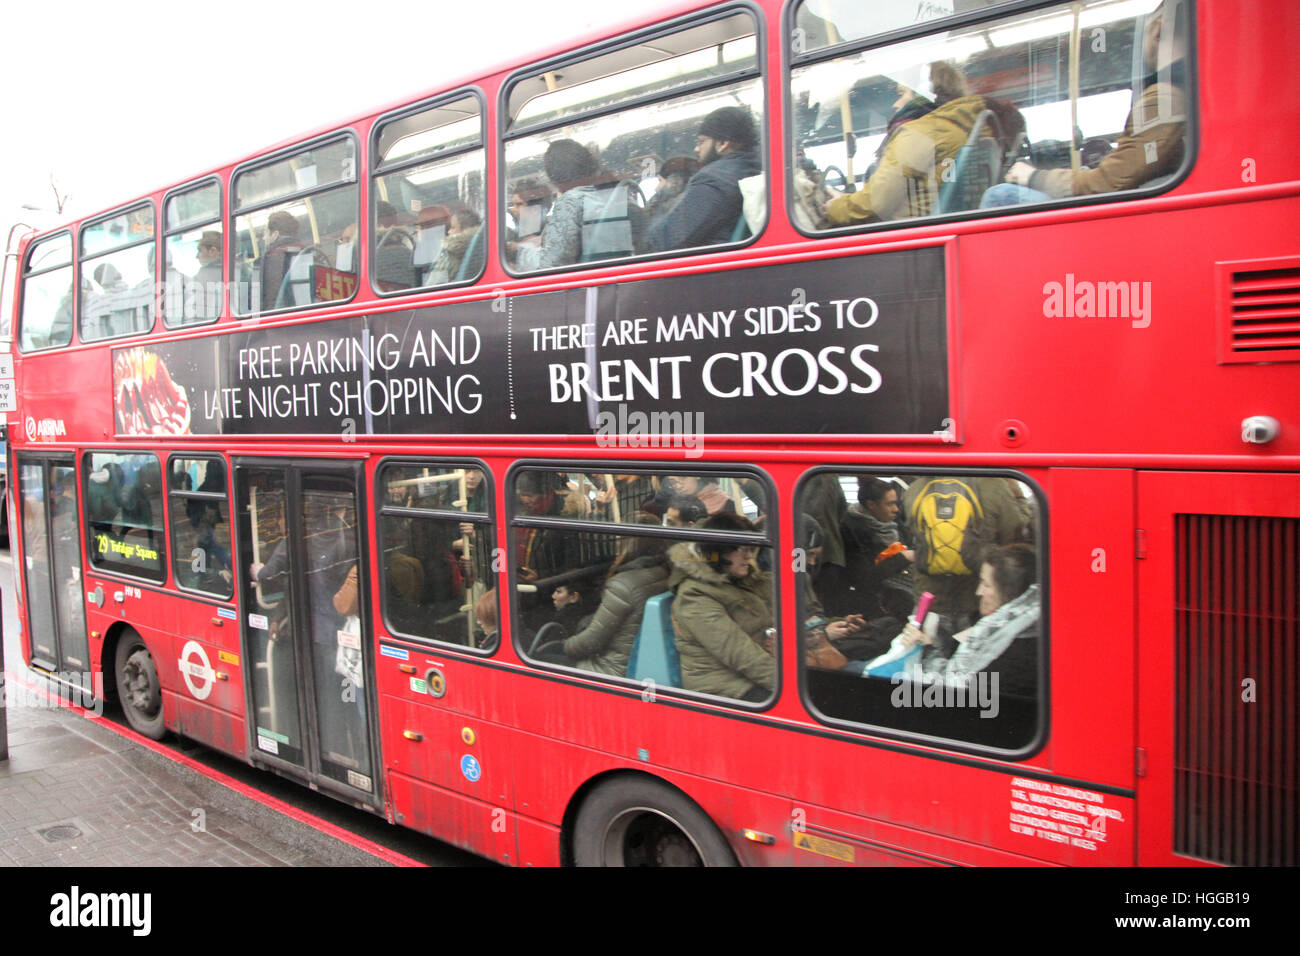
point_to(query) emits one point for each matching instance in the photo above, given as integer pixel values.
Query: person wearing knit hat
(726, 145)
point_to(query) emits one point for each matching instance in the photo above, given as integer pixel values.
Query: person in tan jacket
(906, 182)
(1152, 142)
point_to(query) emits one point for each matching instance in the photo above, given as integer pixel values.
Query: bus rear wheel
(138, 687)
(639, 822)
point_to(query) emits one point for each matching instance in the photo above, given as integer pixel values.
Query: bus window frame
(378, 169)
(791, 60)
(194, 495)
(266, 159)
(168, 196)
(87, 534)
(768, 537)
(605, 47)
(379, 497)
(1042, 546)
(73, 264)
(82, 258)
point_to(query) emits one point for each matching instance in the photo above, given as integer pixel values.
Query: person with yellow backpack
(955, 520)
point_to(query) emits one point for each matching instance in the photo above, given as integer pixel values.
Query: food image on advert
(145, 399)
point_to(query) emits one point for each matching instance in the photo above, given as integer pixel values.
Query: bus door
(1218, 628)
(56, 609)
(311, 698)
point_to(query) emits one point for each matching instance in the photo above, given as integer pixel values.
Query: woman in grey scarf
(1003, 640)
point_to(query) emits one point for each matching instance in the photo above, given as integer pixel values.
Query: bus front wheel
(138, 686)
(640, 822)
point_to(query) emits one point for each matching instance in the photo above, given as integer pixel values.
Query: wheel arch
(600, 780)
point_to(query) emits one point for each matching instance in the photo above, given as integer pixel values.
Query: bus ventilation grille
(1262, 315)
(1237, 637)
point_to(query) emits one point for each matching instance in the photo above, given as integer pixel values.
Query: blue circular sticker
(469, 766)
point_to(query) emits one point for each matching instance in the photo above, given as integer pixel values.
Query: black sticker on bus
(844, 346)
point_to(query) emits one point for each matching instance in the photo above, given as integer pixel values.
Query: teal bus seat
(472, 261)
(976, 168)
(741, 229)
(654, 654)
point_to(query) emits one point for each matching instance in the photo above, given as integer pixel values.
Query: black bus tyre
(643, 822)
(138, 687)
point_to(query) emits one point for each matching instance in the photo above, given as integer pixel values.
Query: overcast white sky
(119, 97)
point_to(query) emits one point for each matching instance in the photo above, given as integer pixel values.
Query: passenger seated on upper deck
(345, 250)
(923, 140)
(674, 175)
(594, 218)
(707, 213)
(205, 301)
(1152, 142)
(280, 245)
(462, 228)
(530, 201)
(394, 265)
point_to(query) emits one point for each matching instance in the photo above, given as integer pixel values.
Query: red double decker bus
(804, 433)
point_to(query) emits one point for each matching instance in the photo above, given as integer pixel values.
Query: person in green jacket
(639, 573)
(722, 615)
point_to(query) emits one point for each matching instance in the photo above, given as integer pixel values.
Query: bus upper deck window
(295, 221)
(118, 275)
(428, 197)
(195, 244)
(678, 167)
(47, 295)
(1000, 113)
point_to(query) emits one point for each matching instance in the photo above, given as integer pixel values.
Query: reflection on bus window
(118, 275)
(124, 511)
(437, 575)
(200, 525)
(923, 584)
(612, 186)
(47, 295)
(194, 289)
(992, 114)
(429, 199)
(294, 246)
(117, 293)
(689, 605)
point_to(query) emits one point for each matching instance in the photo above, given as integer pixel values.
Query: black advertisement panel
(855, 345)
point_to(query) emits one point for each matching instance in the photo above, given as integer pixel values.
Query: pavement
(77, 792)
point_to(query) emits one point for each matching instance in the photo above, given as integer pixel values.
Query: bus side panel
(211, 726)
(951, 811)
(479, 826)
(553, 771)
(1091, 644)
(453, 751)
(210, 703)
(539, 843)
(825, 837)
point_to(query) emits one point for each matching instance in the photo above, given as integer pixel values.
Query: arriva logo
(46, 429)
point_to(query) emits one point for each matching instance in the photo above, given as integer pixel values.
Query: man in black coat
(711, 206)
